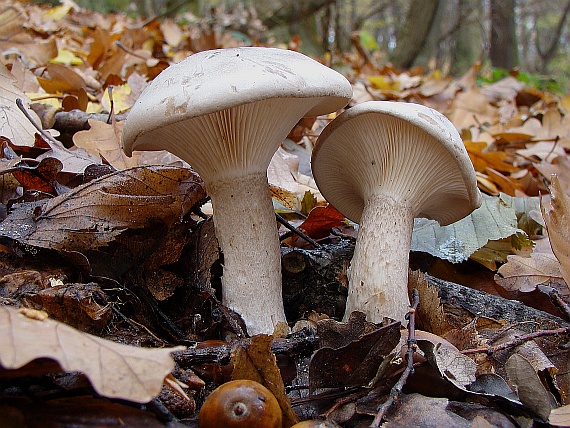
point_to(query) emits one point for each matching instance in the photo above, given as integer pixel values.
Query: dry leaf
(430, 313)
(530, 390)
(557, 217)
(14, 125)
(257, 362)
(353, 364)
(115, 370)
(483, 159)
(104, 140)
(560, 417)
(94, 213)
(526, 273)
(446, 358)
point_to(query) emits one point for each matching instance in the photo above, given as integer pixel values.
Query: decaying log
(316, 279)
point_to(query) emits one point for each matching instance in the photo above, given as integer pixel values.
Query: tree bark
(547, 55)
(413, 34)
(503, 46)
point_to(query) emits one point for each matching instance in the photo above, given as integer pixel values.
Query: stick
(412, 344)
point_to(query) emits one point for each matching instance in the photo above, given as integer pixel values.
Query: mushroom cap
(216, 80)
(407, 151)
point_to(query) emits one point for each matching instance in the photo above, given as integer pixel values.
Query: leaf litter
(53, 203)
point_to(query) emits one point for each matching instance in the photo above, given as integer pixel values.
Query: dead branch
(516, 341)
(412, 345)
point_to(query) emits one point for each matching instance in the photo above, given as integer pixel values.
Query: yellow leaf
(383, 83)
(122, 99)
(66, 57)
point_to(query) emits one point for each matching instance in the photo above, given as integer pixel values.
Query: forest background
(449, 35)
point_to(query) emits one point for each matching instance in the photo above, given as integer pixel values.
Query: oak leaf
(115, 370)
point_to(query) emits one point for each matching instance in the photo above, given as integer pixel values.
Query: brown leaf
(93, 214)
(557, 218)
(471, 108)
(14, 124)
(41, 177)
(443, 356)
(560, 417)
(526, 273)
(430, 315)
(61, 79)
(104, 140)
(356, 363)
(257, 362)
(115, 370)
(530, 390)
(82, 306)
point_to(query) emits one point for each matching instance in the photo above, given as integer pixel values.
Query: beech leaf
(115, 370)
(92, 214)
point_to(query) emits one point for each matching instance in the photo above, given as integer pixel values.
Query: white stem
(247, 233)
(378, 274)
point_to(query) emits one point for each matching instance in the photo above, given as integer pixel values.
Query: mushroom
(225, 112)
(381, 164)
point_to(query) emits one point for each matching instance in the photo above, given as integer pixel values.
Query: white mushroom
(226, 112)
(381, 164)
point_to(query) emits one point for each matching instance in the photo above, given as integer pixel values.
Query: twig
(412, 344)
(559, 303)
(517, 341)
(297, 231)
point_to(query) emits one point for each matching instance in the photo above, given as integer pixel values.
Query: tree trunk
(413, 34)
(503, 46)
(469, 38)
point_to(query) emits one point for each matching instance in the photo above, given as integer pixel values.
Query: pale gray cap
(408, 151)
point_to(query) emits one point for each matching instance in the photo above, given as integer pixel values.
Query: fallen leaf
(321, 220)
(257, 362)
(92, 214)
(354, 364)
(459, 369)
(115, 370)
(494, 219)
(556, 215)
(483, 159)
(526, 273)
(430, 315)
(530, 390)
(104, 140)
(560, 417)
(14, 125)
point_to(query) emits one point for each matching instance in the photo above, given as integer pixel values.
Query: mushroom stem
(247, 234)
(378, 274)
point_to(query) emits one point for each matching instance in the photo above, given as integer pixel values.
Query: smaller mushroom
(381, 164)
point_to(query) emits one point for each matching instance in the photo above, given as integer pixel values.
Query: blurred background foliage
(528, 38)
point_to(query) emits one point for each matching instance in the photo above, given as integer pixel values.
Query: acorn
(240, 403)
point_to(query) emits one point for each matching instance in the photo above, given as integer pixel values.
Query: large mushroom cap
(215, 80)
(407, 151)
